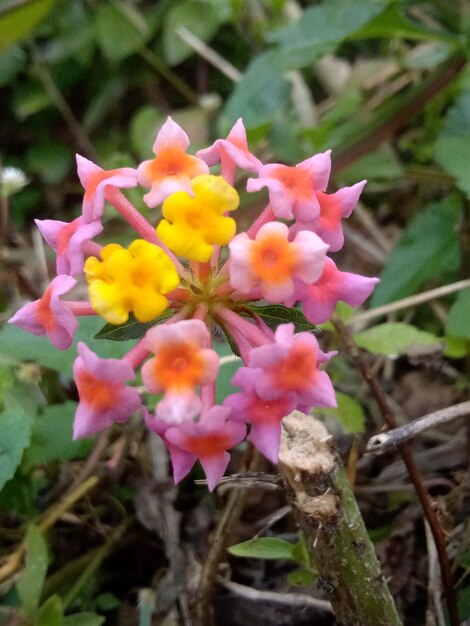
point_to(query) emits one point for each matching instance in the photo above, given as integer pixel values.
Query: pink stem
(137, 354)
(139, 223)
(80, 308)
(91, 248)
(244, 346)
(200, 312)
(207, 397)
(251, 332)
(265, 216)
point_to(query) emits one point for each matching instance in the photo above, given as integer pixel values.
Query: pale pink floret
(68, 239)
(271, 262)
(319, 299)
(104, 398)
(182, 461)
(172, 169)
(49, 316)
(183, 360)
(333, 208)
(290, 364)
(232, 152)
(207, 440)
(264, 415)
(292, 190)
(95, 179)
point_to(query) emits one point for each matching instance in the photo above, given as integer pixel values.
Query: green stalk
(327, 511)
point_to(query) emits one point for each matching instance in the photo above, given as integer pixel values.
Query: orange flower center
(44, 313)
(64, 236)
(273, 258)
(98, 394)
(178, 366)
(95, 180)
(330, 210)
(210, 445)
(295, 372)
(172, 161)
(298, 180)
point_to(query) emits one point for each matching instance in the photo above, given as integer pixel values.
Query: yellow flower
(134, 280)
(192, 225)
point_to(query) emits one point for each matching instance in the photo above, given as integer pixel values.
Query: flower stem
(139, 223)
(80, 308)
(250, 331)
(266, 216)
(137, 354)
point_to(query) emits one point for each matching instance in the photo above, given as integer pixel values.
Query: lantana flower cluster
(191, 273)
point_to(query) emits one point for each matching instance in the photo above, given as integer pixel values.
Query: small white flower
(12, 180)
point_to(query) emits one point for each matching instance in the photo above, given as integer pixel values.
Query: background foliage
(384, 83)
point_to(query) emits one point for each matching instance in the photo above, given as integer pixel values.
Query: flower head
(68, 239)
(320, 298)
(333, 208)
(172, 169)
(271, 262)
(49, 316)
(194, 223)
(207, 440)
(104, 398)
(290, 364)
(264, 415)
(292, 189)
(182, 361)
(231, 152)
(133, 280)
(94, 180)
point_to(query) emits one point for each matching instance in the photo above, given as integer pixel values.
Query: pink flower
(49, 316)
(290, 364)
(231, 152)
(182, 361)
(264, 415)
(94, 180)
(182, 461)
(172, 169)
(319, 299)
(333, 208)
(207, 440)
(292, 190)
(68, 239)
(271, 261)
(104, 398)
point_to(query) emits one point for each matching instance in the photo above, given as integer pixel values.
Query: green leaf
(227, 371)
(84, 619)
(263, 94)
(428, 247)
(301, 577)
(15, 433)
(143, 129)
(32, 579)
(456, 347)
(132, 329)
(458, 321)
(51, 612)
(330, 22)
(187, 14)
(51, 160)
(22, 346)
(393, 338)
(51, 438)
(392, 23)
(275, 314)
(18, 19)
(264, 548)
(121, 30)
(349, 413)
(453, 145)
